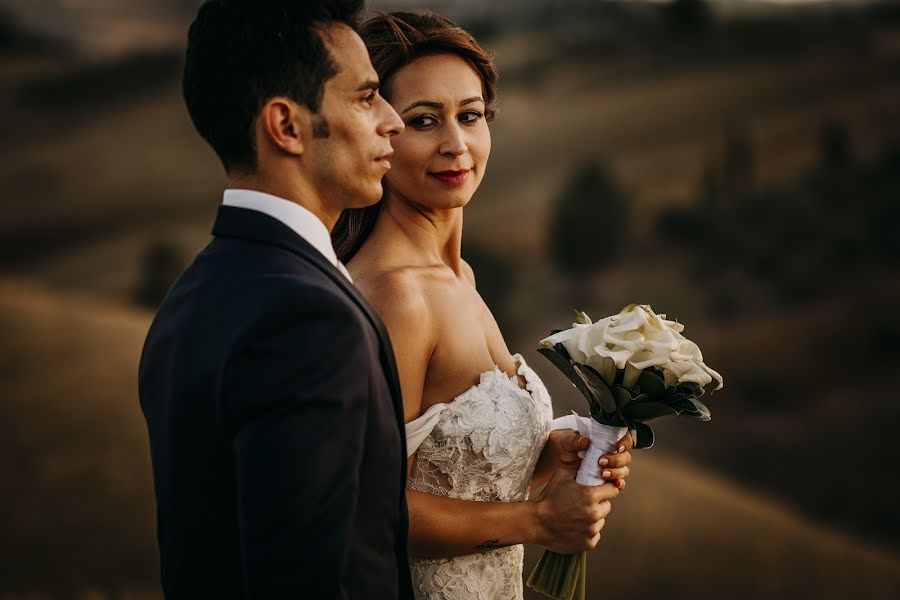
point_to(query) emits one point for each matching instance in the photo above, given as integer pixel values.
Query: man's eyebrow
(369, 85)
(438, 105)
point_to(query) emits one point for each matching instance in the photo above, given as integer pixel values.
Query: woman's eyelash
(469, 116)
(420, 121)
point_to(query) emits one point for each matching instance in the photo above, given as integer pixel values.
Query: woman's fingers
(569, 458)
(572, 441)
(611, 474)
(615, 461)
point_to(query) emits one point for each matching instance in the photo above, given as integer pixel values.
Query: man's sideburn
(320, 129)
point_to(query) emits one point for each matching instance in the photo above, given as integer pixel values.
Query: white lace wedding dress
(483, 447)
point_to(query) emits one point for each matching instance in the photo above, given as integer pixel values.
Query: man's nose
(390, 123)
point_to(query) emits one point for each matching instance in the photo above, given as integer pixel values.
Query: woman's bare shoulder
(468, 272)
(406, 298)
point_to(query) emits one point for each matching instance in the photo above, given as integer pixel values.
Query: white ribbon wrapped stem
(603, 439)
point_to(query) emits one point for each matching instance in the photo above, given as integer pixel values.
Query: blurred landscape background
(733, 163)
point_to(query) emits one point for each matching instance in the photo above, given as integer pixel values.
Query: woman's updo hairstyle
(394, 40)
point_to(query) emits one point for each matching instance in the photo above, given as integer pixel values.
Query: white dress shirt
(304, 223)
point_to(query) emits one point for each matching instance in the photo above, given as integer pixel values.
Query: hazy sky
(110, 26)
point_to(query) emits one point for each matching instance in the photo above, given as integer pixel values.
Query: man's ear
(283, 122)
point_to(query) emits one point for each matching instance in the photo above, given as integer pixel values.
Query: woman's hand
(615, 468)
(568, 515)
(561, 452)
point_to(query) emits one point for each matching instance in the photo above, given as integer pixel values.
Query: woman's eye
(422, 122)
(470, 116)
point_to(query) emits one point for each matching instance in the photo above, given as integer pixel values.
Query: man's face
(350, 148)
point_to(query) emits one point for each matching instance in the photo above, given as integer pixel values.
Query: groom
(267, 382)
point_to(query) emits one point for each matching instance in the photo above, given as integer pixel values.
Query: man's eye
(370, 98)
(470, 116)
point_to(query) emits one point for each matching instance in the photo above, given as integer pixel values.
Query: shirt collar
(301, 220)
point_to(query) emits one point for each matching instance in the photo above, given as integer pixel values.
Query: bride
(478, 418)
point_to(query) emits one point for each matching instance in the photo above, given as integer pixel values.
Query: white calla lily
(618, 356)
(633, 340)
(605, 366)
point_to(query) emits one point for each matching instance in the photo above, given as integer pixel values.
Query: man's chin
(369, 197)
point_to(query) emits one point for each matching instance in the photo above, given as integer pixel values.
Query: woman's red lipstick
(451, 177)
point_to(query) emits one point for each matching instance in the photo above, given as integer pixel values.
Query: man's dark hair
(241, 53)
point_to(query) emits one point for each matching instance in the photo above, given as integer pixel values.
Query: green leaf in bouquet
(645, 437)
(703, 412)
(644, 411)
(598, 387)
(684, 406)
(561, 361)
(651, 383)
(622, 396)
(691, 389)
(563, 352)
(641, 398)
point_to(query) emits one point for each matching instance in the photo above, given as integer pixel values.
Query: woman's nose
(454, 141)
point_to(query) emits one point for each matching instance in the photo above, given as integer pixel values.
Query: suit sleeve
(297, 388)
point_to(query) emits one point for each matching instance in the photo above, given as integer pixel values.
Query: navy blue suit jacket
(276, 426)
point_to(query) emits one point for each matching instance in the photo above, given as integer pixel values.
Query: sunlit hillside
(81, 520)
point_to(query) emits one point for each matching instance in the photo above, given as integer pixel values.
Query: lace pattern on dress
(484, 448)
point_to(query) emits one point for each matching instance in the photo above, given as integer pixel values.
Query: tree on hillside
(689, 15)
(161, 263)
(835, 149)
(589, 223)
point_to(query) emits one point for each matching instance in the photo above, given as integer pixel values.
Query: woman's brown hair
(394, 40)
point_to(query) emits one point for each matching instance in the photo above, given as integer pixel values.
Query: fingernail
(606, 475)
(604, 462)
(621, 448)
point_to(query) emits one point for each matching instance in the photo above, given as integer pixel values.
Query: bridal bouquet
(631, 367)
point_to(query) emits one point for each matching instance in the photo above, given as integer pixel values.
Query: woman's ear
(282, 123)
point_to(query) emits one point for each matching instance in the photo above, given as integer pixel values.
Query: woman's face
(440, 157)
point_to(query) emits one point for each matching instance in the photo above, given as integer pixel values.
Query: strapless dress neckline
(419, 428)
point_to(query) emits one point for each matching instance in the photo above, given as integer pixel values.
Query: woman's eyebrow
(438, 105)
(418, 103)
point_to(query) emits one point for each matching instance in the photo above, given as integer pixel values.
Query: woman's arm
(566, 518)
(441, 526)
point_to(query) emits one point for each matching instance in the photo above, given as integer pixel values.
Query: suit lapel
(256, 226)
